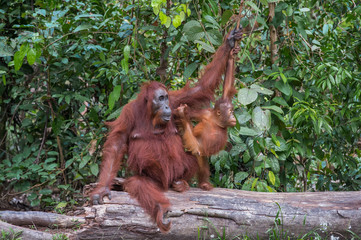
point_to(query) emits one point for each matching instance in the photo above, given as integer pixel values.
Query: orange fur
(156, 155)
(209, 136)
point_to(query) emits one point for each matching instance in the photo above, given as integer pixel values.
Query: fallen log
(232, 213)
(9, 231)
(223, 213)
(40, 219)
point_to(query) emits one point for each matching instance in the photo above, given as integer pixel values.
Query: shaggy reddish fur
(156, 157)
(209, 136)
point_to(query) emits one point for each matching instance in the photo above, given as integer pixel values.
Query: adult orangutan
(146, 132)
(209, 136)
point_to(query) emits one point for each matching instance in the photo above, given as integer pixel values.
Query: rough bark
(26, 233)
(40, 219)
(273, 33)
(205, 215)
(234, 212)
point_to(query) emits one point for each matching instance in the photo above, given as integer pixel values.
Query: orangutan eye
(161, 98)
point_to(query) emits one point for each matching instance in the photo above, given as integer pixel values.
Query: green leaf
(126, 52)
(289, 11)
(261, 118)
(284, 88)
(237, 149)
(325, 29)
(248, 131)
(247, 96)
(35, 202)
(50, 167)
(243, 117)
(18, 61)
(264, 2)
(189, 70)
(284, 79)
(88, 16)
(61, 205)
(84, 161)
(162, 18)
(94, 169)
(332, 79)
(246, 157)
(206, 46)
(240, 176)
(156, 9)
(304, 9)
(45, 191)
(214, 6)
(225, 16)
(182, 16)
(212, 21)
(84, 26)
(254, 184)
(31, 56)
(193, 30)
(270, 189)
(115, 114)
(69, 162)
(5, 50)
(275, 140)
(19, 56)
(215, 37)
(271, 177)
(114, 96)
(274, 108)
(281, 101)
(272, 161)
(260, 89)
(252, 5)
(125, 65)
(177, 21)
(168, 22)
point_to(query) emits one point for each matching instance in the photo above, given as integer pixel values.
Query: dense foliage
(66, 67)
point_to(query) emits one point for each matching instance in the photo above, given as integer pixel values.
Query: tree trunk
(223, 213)
(273, 33)
(16, 232)
(233, 212)
(43, 219)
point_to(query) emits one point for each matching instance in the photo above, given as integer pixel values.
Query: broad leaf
(240, 176)
(284, 88)
(193, 30)
(262, 90)
(271, 177)
(206, 46)
(261, 119)
(248, 131)
(190, 69)
(84, 26)
(31, 56)
(247, 96)
(114, 96)
(274, 108)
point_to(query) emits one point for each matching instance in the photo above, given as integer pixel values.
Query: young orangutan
(209, 136)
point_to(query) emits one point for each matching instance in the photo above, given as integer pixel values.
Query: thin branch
(43, 140)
